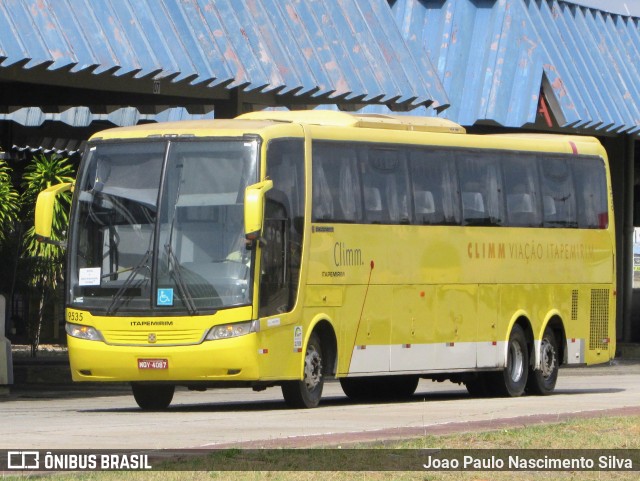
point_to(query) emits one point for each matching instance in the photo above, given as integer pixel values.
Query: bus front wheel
(153, 397)
(307, 393)
(543, 381)
(379, 388)
(512, 380)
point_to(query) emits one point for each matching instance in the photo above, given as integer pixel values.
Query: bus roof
(343, 119)
(542, 136)
(254, 122)
(183, 128)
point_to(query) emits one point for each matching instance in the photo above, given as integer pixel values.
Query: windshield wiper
(174, 270)
(119, 271)
(143, 263)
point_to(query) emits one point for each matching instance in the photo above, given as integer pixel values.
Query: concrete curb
(41, 371)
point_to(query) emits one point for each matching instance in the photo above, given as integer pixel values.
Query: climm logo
(486, 250)
(346, 256)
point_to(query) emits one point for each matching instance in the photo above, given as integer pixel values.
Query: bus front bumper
(234, 359)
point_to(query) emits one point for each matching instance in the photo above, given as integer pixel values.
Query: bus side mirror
(254, 197)
(44, 210)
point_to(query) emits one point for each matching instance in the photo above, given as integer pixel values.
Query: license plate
(153, 364)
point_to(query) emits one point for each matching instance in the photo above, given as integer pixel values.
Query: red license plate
(153, 364)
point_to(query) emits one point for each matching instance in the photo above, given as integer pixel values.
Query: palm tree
(46, 260)
(9, 202)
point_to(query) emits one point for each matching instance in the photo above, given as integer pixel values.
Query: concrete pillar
(6, 358)
(628, 238)
(621, 161)
(228, 108)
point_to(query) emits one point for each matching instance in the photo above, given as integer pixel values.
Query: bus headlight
(83, 332)
(225, 331)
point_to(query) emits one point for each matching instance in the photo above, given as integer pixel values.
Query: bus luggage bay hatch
(287, 248)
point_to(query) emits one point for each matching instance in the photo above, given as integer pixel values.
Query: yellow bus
(288, 248)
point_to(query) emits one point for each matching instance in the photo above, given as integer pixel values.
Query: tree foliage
(9, 202)
(46, 261)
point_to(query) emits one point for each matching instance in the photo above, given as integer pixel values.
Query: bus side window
(549, 206)
(348, 194)
(425, 204)
(373, 204)
(558, 193)
(473, 202)
(385, 181)
(434, 186)
(481, 185)
(336, 191)
(322, 198)
(591, 184)
(521, 190)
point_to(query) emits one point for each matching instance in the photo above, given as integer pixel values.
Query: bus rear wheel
(543, 381)
(512, 380)
(307, 393)
(153, 397)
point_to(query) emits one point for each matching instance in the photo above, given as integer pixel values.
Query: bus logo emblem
(152, 338)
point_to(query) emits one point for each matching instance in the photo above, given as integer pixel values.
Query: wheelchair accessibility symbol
(165, 297)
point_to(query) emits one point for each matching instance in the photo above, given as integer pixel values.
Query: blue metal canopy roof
(494, 58)
(343, 50)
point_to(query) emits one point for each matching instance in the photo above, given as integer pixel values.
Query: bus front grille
(154, 338)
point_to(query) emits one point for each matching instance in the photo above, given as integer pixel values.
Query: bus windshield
(159, 225)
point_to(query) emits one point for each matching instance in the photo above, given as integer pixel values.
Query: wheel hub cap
(517, 362)
(312, 369)
(548, 359)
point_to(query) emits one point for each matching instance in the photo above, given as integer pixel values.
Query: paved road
(101, 419)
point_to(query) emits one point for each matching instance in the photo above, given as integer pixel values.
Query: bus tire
(307, 393)
(357, 388)
(477, 385)
(153, 397)
(543, 381)
(379, 388)
(402, 387)
(512, 380)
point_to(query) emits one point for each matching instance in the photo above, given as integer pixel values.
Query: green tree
(9, 202)
(46, 261)
(9, 215)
